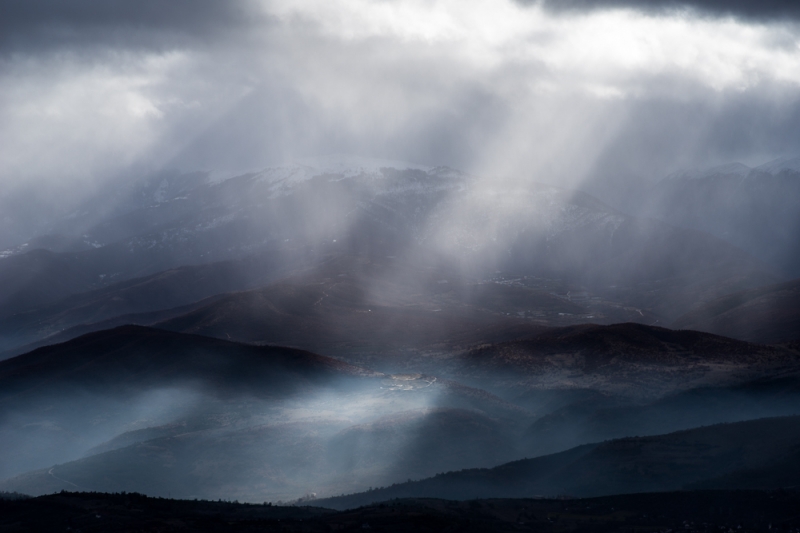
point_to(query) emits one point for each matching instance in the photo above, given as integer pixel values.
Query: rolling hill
(58, 402)
(216, 406)
(622, 359)
(699, 457)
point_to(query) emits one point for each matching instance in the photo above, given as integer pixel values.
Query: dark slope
(40, 277)
(601, 345)
(768, 314)
(161, 291)
(780, 471)
(596, 419)
(690, 511)
(631, 359)
(636, 464)
(134, 358)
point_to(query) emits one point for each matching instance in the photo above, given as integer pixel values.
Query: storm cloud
(567, 94)
(148, 24)
(751, 9)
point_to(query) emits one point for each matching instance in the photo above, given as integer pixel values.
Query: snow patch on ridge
(773, 168)
(349, 165)
(281, 180)
(344, 166)
(777, 166)
(729, 169)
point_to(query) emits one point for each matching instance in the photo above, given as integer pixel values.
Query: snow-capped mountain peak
(346, 166)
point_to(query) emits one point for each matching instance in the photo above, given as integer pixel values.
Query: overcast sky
(560, 91)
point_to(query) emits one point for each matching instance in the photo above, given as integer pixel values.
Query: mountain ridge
(634, 464)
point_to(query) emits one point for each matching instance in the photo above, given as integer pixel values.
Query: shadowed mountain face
(768, 314)
(625, 359)
(711, 457)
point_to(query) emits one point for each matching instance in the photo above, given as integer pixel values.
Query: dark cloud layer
(144, 23)
(660, 133)
(91, 91)
(749, 9)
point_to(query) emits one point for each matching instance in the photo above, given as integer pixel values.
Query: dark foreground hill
(692, 511)
(755, 454)
(768, 314)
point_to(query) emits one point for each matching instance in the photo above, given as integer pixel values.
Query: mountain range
(174, 240)
(751, 208)
(340, 324)
(169, 413)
